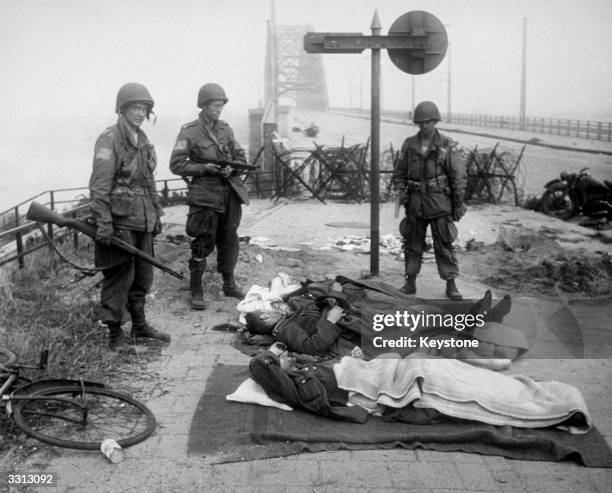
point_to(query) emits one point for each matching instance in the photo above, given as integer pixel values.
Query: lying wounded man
(419, 390)
(337, 324)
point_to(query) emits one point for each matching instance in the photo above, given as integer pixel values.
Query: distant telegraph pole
(274, 49)
(416, 44)
(522, 113)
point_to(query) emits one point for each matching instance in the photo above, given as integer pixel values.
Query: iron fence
(583, 129)
(18, 235)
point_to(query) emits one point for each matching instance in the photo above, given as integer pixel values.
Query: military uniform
(433, 181)
(307, 331)
(313, 388)
(215, 202)
(124, 199)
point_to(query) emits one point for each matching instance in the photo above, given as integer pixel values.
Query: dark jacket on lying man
(307, 330)
(312, 388)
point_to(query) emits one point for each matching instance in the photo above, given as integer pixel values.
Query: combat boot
(409, 286)
(146, 331)
(229, 287)
(499, 311)
(140, 327)
(482, 306)
(117, 340)
(196, 270)
(451, 290)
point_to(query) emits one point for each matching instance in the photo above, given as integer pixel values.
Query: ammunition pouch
(439, 184)
(122, 200)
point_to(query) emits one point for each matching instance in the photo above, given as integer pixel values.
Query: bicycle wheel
(7, 358)
(109, 415)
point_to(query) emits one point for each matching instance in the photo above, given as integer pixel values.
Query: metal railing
(19, 239)
(17, 234)
(583, 129)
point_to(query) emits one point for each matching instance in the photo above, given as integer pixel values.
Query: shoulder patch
(180, 145)
(104, 153)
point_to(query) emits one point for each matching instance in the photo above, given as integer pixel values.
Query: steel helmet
(133, 92)
(210, 91)
(424, 111)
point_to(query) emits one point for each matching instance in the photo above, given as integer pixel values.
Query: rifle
(221, 162)
(38, 212)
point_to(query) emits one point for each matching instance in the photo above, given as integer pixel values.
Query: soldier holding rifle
(216, 193)
(126, 206)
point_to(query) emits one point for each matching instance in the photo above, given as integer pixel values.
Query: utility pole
(274, 49)
(522, 113)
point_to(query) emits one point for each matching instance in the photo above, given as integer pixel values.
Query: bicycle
(71, 413)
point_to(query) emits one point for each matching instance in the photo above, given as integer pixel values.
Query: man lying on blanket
(419, 390)
(339, 319)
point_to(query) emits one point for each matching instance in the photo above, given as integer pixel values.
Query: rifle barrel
(40, 213)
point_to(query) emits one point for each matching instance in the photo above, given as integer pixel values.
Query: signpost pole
(375, 153)
(416, 44)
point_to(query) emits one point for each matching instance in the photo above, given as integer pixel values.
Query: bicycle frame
(12, 375)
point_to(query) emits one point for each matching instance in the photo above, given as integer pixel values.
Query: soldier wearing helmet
(126, 205)
(430, 178)
(216, 193)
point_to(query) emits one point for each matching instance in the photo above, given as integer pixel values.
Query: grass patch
(43, 312)
(43, 308)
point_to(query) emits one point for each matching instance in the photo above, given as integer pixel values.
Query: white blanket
(460, 390)
(262, 298)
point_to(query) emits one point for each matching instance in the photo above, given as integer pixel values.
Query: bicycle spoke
(110, 415)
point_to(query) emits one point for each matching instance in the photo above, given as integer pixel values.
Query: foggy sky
(62, 62)
(68, 57)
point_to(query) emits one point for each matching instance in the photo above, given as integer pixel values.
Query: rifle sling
(90, 271)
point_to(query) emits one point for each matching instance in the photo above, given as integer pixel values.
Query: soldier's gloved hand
(458, 212)
(402, 196)
(157, 229)
(210, 169)
(104, 233)
(225, 171)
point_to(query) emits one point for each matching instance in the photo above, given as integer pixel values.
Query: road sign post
(375, 153)
(416, 44)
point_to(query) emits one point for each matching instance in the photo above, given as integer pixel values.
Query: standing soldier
(216, 193)
(126, 205)
(430, 178)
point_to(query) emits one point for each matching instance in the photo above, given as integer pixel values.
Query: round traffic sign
(429, 42)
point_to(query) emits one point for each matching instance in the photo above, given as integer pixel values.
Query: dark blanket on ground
(230, 431)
